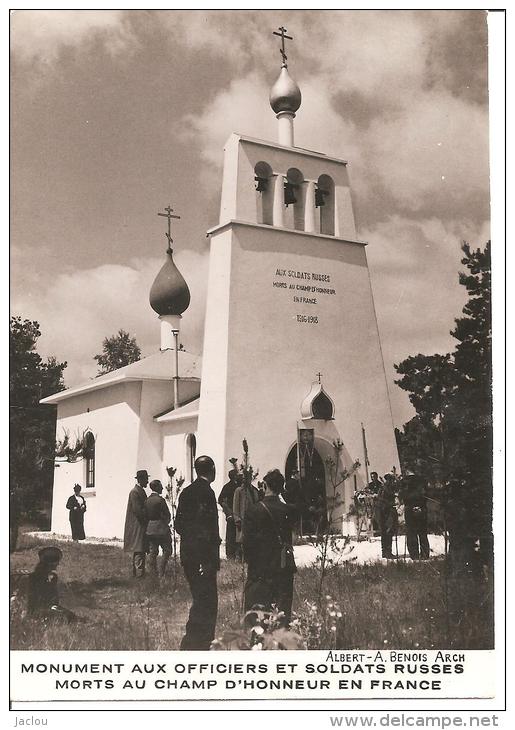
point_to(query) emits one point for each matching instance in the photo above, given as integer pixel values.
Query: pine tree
(31, 424)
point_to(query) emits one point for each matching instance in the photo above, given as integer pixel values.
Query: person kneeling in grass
(43, 594)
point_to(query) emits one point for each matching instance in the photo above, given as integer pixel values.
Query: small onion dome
(169, 293)
(285, 95)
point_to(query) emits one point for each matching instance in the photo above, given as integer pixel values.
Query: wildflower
(385, 641)
(328, 598)
(256, 647)
(417, 644)
(339, 614)
(258, 630)
(333, 628)
(332, 613)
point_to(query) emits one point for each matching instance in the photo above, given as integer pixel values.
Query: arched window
(262, 176)
(191, 449)
(294, 197)
(89, 459)
(324, 201)
(322, 407)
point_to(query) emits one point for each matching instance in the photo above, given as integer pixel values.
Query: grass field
(403, 606)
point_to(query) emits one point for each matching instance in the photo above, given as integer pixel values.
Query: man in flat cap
(43, 594)
(134, 540)
(196, 522)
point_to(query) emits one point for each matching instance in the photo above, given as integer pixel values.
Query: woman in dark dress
(76, 504)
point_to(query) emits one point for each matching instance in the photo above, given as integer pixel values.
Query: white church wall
(267, 342)
(112, 414)
(156, 396)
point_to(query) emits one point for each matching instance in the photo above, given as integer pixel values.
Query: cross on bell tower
(282, 35)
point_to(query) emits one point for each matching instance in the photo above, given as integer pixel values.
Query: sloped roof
(189, 410)
(158, 366)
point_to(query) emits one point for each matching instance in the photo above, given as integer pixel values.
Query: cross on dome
(282, 35)
(168, 214)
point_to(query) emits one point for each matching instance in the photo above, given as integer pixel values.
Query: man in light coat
(134, 540)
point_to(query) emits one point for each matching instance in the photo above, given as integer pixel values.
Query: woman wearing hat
(76, 504)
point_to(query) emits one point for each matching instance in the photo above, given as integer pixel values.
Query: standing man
(158, 529)
(76, 505)
(373, 489)
(267, 537)
(415, 515)
(196, 522)
(225, 500)
(134, 540)
(386, 515)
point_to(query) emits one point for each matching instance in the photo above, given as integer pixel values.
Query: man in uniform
(196, 522)
(413, 495)
(158, 529)
(386, 515)
(43, 594)
(134, 540)
(267, 530)
(225, 500)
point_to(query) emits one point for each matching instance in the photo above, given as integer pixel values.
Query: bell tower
(289, 294)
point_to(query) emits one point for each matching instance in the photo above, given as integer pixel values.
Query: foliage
(330, 547)
(173, 488)
(261, 631)
(450, 437)
(31, 424)
(71, 449)
(117, 351)
(245, 468)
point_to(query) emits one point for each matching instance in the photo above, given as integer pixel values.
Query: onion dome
(169, 293)
(285, 95)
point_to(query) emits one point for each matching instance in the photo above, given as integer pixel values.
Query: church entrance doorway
(312, 491)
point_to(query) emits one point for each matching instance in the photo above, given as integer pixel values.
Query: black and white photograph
(250, 352)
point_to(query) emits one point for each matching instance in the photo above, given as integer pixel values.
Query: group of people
(259, 527)
(260, 524)
(378, 502)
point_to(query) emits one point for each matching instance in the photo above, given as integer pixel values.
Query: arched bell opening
(294, 199)
(324, 202)
(264, 194)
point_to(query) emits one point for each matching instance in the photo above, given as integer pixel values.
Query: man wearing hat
(134, 540)
(158, 528)
(196, 522)
(43, 598)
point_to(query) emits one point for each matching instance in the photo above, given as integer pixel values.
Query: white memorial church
(291, 358)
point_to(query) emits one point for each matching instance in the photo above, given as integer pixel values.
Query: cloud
(414, 267)
(41, 34)
(77, 310)
(430, 158)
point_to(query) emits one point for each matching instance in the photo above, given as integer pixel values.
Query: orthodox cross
(319, 375)
(168, 214)
(282, 36)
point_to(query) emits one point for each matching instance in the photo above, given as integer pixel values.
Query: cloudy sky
(116, 114)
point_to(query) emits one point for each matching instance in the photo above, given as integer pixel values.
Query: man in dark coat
(386, 515)
(413, 495)
(43, 594)
(158, 529)
(267, 527)
(134, 539)
(196, 521)
(225, 500)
